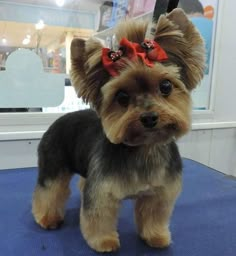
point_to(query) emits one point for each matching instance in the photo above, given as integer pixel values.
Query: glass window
(46, 28)
(203, 14)
(35, 38)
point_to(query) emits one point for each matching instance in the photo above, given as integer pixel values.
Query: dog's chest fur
(135, 186)
(148, 186)
(128, 174)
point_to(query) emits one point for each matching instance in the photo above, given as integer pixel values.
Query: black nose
(149, 119)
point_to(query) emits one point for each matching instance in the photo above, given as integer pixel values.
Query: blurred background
(47, 28)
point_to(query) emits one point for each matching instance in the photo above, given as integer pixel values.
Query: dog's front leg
(98, 217)
(153, 213)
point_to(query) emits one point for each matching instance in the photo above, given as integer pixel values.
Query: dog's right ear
(87, 71)
(184, 46)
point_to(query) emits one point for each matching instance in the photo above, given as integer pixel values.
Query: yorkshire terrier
(124, 146)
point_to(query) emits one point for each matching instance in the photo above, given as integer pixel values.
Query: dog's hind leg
(49, 200)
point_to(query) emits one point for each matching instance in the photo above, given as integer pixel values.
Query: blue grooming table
(203, 223)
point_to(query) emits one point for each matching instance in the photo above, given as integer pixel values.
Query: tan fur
(99, 229)
(49, 202)
(81, 184)
(99, 226)
(179, 38)
(175, 33)
(133, 31)
(184, 46)
(155, 199)
(173, 109)
(152, 214)
(87, 72)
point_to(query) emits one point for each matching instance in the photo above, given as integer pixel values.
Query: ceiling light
(60, 3)
(4, 40)
(40, 25)
(26, 41)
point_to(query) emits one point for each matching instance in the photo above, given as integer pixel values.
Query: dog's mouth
(142, 136)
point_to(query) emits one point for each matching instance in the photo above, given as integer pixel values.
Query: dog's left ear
(184, 46)
(87, 72)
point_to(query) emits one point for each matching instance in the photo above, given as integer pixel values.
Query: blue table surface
(203, 222)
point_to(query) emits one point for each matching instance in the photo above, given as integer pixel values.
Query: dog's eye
(122, 98)
(165, 87)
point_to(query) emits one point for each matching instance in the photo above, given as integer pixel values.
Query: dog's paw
(50, 221)
(107, 243)
(160, 240)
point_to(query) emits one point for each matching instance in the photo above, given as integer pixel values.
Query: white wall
(214, 147)
(18, 154)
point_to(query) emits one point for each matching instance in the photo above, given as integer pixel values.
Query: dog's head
(142, 91)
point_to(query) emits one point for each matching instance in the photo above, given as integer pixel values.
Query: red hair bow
(149, 51)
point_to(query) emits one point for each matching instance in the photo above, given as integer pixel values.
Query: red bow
(149, 51)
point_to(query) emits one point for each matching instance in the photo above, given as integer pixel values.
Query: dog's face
(143, 104)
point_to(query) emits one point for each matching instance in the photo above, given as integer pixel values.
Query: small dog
(124, 147)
